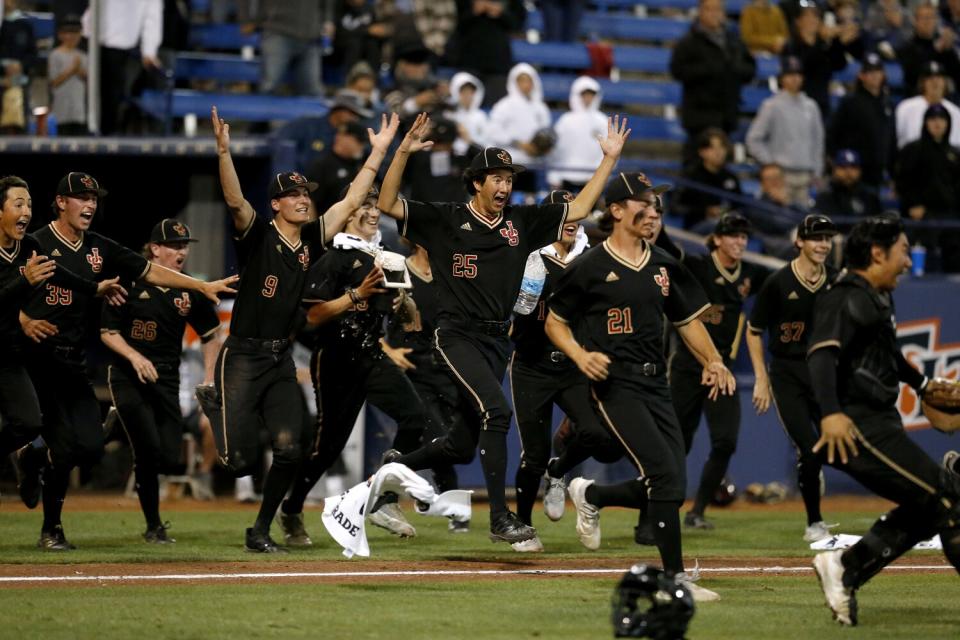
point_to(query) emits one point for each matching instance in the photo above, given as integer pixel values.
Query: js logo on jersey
(663, 281)
(96, 262)
(919, 340)
(182, 304)
(511, 234)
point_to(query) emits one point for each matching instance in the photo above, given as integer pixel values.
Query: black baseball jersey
(272, 275)
(478, 263)
(785, 307)
(528, 335)
(15, 290)
(618, 307)
(154, 318)
(417, 333)
(726, 290)
(92, 257)
(329, 278)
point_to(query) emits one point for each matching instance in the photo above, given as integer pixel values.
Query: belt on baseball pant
(273, 346)
(493, 328)
(646, 369)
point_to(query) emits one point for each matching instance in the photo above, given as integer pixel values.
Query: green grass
(893, 605)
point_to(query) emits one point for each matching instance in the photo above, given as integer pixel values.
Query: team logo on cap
(505, 157)
(179, 229)
(88, 182)
(183, 304)
(296, 178)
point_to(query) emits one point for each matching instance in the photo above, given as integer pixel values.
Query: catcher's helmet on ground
(649, 603)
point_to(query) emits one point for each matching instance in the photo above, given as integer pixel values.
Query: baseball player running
(478, 251)
(616, 295)
(784, 307)
(72, 426)
(856, 369)
(727, 281)
(255, 376)
(146, 338)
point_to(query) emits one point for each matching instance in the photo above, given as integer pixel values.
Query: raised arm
(612, 147)
(411, 143)
(240, 209)
(715, 373)
(336, 216)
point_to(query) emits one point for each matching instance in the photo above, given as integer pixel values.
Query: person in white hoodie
(516, 118)
(466, 96)
(576, 131)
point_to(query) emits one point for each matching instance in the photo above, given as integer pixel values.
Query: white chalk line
(404, 574)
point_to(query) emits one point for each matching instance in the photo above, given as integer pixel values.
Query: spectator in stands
(415, 87)
(127, 28)
(774, 217)
(359, 35)
(928, 182)
(438, 173)
(67, 76)
(847, 195)
(337, 166)
(561, 19)
(763, 27)
(863, 122)
(822, 51)
(471, 122)
(909, 114)
(292, 34)
(694, 205)
(887, 26)
(314, 135)
(577, 130)
(788, 131)
(18, 52)
(517, 118)
(712, 63)
(930, 43)
(481, 42)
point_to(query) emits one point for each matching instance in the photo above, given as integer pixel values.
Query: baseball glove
(941, 404)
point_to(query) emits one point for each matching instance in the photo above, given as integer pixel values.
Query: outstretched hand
(617, 134)
(388, 129)
(413, 141)
(221, 130)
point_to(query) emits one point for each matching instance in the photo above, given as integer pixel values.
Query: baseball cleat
(818, 531)
(554, 497)
(841, 600)
(588, 516)
(697, 521)
(294, 533)
(390, 517)
(158, 534)
(54, 540)
(458, 526)
(533, 545)
(262, 543)
(507, 527)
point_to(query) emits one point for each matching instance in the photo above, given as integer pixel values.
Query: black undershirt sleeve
(823, 377)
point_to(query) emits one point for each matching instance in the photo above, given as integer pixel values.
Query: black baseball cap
(558, 196)
(494, 158)
(816, 224)
(288, 181)
(872, 62)
(932, 68)
(373, 193)
(171, 230)
(630, 186)
(732, 223)
(77, 182)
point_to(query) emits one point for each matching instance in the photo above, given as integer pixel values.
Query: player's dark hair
(10, 182)
(881, 231)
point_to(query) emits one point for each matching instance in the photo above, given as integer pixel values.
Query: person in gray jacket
(788, 131)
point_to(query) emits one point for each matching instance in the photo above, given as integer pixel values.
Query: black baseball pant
(894, 467)
(344, 378)
(19, 406)
(150, 415)
(723, 421)
(800, 416)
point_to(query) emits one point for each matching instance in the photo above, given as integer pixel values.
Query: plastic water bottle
(534, 275)
(918, 256)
